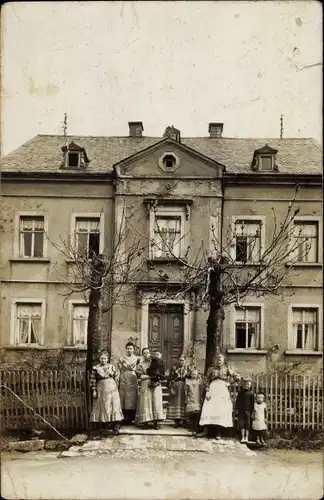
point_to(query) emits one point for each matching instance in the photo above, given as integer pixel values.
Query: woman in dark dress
(177, 396)
(149, 404)
(128, 385)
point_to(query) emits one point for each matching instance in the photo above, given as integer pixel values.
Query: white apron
(219, 409)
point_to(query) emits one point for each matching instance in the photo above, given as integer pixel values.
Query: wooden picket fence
(62, 398)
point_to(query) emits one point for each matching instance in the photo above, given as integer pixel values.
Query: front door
(166, 332)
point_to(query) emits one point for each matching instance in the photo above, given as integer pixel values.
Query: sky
(163, 63)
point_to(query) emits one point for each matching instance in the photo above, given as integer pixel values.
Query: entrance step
(133, 442)
(166, 429)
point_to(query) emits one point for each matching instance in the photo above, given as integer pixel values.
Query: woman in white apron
(217, 410)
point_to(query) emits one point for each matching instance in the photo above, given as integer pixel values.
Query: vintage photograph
(161, 256)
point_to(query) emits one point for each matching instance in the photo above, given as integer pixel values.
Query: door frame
(165, 316)
(188, 318)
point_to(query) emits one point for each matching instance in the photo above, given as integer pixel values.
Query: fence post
(304, 401)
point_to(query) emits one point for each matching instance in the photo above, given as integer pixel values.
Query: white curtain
(167, 236)
(310, 320)
(252, 232)
(29, 323)
(88, 225)
(304, 329)
(30, 224)
(250, 317)
(306, 240)
(80, 324)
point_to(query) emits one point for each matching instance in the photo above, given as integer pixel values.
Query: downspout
(222, 209)
(114, 182)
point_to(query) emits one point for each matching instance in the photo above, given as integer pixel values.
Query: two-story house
(174, 193)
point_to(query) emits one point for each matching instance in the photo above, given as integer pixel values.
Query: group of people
(132, 392)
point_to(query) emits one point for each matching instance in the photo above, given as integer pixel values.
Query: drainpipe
(112, 246)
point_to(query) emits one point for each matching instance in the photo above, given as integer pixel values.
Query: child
(244, 406)
(259, 422)
(156, 370)
(193, 399)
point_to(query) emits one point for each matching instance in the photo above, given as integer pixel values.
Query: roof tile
(43, 153)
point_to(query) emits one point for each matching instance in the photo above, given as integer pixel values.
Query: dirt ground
(272, 474)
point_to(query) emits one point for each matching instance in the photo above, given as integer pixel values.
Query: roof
(43, 153)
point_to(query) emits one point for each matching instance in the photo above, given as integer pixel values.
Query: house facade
(164, 192)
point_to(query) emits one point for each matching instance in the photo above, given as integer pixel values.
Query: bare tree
(104, 279)
(237, 266)
(240, 264)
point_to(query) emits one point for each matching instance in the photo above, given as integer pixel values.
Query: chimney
(215, 129)
(135, 129)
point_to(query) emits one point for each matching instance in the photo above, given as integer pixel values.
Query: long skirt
(176, 403)
(106, 406)
(219, 409)
(128, 390)
(149, 404)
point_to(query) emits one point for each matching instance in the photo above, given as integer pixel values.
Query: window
(74, 156)
(169, 161)
(87, 235)
(169, 228)
(247, 241)
(305, 328)
(265, 159)
(31, 236)
(29, 317)
(80, 324)
(266, 162)
(247, 327)
(306, 241)
(167, 237)
(73, 159)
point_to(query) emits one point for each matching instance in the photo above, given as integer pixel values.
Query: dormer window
(266, 162)
(264, 159)
(74, 156)
(73, 159)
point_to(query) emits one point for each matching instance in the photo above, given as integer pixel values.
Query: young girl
(193, 399)
(259, 422)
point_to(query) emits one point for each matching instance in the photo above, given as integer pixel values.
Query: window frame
(252, 350)
(168, 211)
(290, 340)
(17, 237)
(88, 215)
(70, 341)
(14, 334)
(311, 220)
(263, 156)
(248, 218)
(67, 163)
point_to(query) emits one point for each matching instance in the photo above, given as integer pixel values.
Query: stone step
(156, 442)
(166, 429)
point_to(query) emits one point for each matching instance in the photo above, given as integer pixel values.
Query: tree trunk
(94, 334)
(215, 318)
(94, 337)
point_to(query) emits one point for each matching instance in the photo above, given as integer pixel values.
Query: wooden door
(166, 332)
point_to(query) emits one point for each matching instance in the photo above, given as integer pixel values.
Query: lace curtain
(80, 324)
(305, 329)
(29, 323)
(167, 236)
